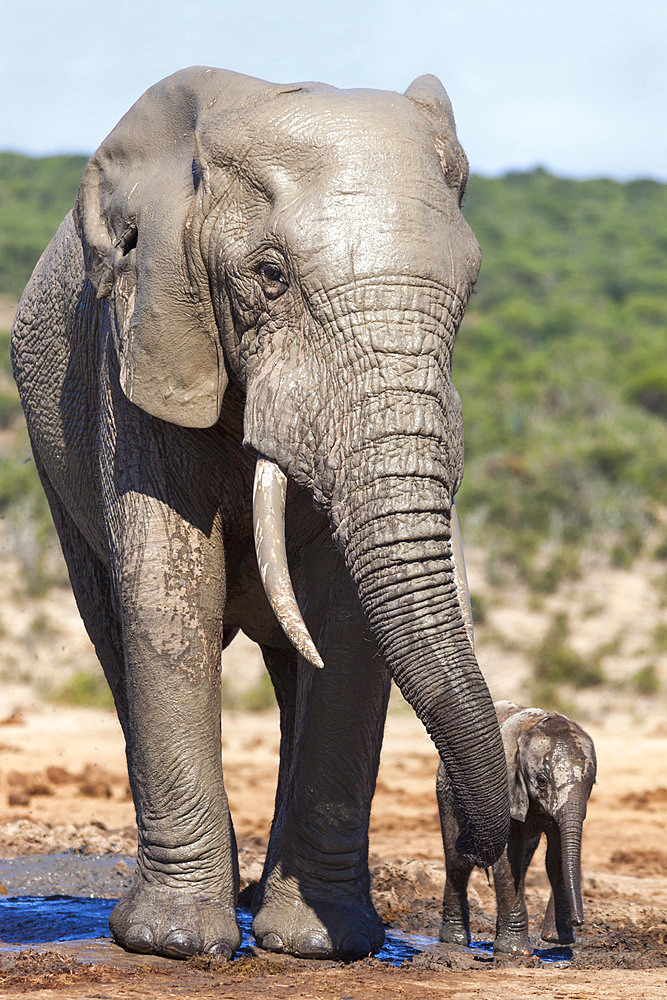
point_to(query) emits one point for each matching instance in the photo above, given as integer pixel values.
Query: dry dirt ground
(63, 788)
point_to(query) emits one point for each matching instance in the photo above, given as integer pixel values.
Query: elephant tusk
(461, 578)
(268, 515)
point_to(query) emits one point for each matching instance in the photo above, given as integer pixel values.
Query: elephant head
(551, 766)
(308, 243)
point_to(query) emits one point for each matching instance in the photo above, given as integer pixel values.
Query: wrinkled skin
(251, 269)
(551, 767)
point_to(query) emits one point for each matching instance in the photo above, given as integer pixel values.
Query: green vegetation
(562, 369)
(556, 664)
(561, 365)
(35, 194)
(258, 698)
(83, 690)
(646, 681)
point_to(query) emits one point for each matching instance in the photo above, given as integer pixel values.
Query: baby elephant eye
(273, 280)
(541, 779)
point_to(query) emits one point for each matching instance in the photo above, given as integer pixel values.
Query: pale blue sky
(578, 86)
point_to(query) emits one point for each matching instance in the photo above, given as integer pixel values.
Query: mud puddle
(31, 920)
(54, 898)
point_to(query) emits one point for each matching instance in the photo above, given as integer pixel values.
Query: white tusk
(460, 577)
(268, 515)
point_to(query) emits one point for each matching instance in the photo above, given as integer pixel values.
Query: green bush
(257, 698)
(84, 690)
(649, 390)
(646, 681)
(556, 663)
(10, 408)
(35, 194)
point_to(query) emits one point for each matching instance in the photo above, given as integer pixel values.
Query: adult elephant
(256, 270)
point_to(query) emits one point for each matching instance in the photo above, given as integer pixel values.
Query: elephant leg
(94, 596)
(314, 899)
(556, 926)
(282, 667)
(455, 927)
(508, 881)
(164, 539)
(171, 583)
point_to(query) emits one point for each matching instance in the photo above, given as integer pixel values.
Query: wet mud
(75, 839)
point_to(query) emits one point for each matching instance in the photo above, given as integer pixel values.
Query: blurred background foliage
(560, 363)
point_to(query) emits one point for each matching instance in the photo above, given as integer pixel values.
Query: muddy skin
(551, 767)
(256, 269)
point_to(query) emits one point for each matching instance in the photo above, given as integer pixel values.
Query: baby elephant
(551, 768)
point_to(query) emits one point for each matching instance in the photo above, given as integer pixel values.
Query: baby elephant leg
(455, 927)
(508, 880)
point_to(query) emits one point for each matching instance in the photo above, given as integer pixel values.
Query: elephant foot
(508, 943)
(453, 933)
(176, 923)
(318, 929)
(554, 936)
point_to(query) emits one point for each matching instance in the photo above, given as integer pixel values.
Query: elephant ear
(428, 93)
(432, 101)
(138, 214)
(511, 730)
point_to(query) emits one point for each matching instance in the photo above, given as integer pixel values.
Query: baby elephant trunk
(565, 909)
(570, 827)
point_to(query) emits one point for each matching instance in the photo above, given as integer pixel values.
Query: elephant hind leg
(282, 667)
(94, 596)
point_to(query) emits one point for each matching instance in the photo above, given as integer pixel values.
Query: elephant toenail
(179, 944)
(312, 944)
(356, 946)
(138, 938)
(271, 942)
(221, 950)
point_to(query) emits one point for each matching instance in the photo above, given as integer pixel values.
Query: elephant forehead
(364, 227)
(306, 127)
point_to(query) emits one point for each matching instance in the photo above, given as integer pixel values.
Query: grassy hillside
(562, 368)
(34, 196)
(561, 364)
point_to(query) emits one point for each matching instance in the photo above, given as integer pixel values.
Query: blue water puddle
(38, 919)
(484, 949)
(29, 920)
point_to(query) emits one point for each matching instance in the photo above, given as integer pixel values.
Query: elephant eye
(273, 280)
(541, 779)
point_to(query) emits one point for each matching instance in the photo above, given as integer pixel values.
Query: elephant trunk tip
(481, 848)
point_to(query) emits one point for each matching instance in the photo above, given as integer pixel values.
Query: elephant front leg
(169, 577)
(455, 927)
(314, 898)
(508, 879)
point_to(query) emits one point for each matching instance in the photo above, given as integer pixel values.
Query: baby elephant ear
(138, 215)
(518, 794)
(510, 731)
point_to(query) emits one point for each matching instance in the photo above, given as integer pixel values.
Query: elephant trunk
(570, 827)
(395, 533)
